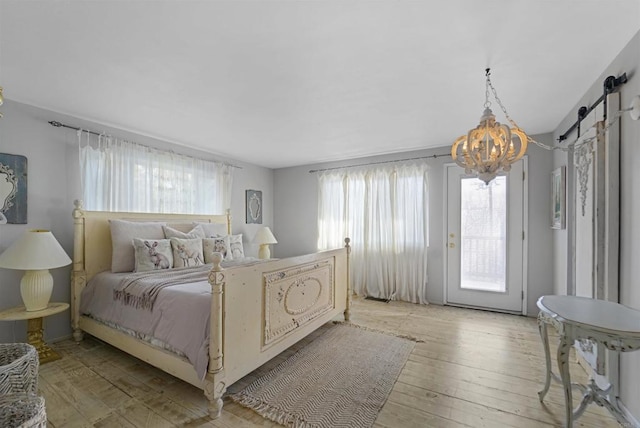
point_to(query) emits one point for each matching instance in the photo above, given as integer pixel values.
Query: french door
(485, 240)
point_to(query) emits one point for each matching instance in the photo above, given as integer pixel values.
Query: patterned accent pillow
(219, 244)
(235, 246)
(122, 232)
(196, 232)
(152, 254)
(187, 252)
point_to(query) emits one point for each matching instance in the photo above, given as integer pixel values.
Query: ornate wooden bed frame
(259, 310)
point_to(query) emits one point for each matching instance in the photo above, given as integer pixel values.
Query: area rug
(341, 379)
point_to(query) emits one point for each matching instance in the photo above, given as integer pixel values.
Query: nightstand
(34, 327)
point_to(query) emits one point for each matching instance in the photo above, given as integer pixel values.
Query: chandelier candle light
(490, 147)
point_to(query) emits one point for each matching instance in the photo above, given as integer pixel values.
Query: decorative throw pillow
(196, 232)
(152, 254)
(235, 246)
(187, 252)
(122, 232)
(215, 245)
(212, 230)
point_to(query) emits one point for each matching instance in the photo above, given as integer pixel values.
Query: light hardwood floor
(474, 368)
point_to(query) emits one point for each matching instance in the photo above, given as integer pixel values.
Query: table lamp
(36, 251)
(264, 237)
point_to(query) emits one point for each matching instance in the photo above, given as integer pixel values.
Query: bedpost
(347, 311)
(78, 274)
(214, 386)
(228, 221)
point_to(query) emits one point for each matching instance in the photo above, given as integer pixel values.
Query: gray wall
(296, 202)
(627, 61)
(53, 173)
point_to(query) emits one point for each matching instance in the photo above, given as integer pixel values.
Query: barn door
(596, 225)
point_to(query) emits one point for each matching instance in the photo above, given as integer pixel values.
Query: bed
(256, 311)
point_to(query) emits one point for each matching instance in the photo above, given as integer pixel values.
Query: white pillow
(152, 254)
(122, 233)
(236, 249)
(196, 232)
(215, 245)
(211, 230)
(187, 252)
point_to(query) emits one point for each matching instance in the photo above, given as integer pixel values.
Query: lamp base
(264, 252)
(35, 337)
(36, 287)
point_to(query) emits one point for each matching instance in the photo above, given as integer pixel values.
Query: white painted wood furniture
(35, 331)
(613, 325)
(258, 311)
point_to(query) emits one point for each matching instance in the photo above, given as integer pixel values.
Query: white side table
(34, 327)
(615, 326)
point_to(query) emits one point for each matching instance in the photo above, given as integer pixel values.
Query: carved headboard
(92, 235)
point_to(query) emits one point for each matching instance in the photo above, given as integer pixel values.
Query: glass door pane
(483, 238)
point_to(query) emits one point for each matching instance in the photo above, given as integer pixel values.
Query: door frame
(525, 241)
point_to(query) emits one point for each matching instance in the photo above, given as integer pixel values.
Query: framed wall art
(13, 189)
(558, 198)
(254, 206)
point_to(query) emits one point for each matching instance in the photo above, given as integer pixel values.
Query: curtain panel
(384, 212)
(119, 175)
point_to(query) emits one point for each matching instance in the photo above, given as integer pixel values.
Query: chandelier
(490, 147)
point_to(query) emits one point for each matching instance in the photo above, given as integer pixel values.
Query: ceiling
(285, 83)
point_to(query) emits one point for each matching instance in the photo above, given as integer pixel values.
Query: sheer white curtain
(383, 210)
(123, 176)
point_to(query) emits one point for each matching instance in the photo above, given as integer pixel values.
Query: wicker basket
(22, 411)
(18, 368)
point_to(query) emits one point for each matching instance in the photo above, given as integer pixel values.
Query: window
(123, 176)
(384, 212)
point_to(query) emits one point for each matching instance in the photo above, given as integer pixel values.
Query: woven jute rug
(341, 379)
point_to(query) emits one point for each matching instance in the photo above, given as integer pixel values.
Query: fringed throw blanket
(141, 289)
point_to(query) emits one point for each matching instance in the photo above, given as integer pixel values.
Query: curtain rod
(381, 162)
(75, 128)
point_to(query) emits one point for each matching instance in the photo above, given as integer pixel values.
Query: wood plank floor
(474, 368)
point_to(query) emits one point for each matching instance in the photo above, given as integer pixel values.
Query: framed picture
(558, 198)
(254, 206)
(13, 189)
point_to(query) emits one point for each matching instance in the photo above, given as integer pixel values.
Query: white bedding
(179, 320)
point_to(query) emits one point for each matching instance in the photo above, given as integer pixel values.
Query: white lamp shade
(264, 236)
(36, 249)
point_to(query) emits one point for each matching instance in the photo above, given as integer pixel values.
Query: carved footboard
(268, 307)
(294, 297)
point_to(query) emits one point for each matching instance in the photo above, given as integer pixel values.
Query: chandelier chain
(513, 122)
(487, 102)
(499, 101)
(546, 146)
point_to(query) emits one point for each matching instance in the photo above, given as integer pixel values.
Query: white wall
(628, 61)
(52, 162)
(296, 202)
